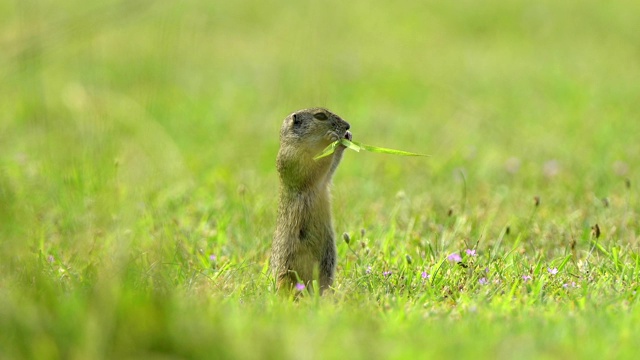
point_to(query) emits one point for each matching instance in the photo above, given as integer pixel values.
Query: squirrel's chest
(307, 219)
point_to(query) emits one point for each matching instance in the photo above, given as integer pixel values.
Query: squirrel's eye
(320, 116)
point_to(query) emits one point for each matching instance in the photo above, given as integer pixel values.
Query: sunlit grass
(137, 178)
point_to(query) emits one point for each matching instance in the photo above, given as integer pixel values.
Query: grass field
(138, 184)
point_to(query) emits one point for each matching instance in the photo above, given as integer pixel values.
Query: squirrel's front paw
(331, 136)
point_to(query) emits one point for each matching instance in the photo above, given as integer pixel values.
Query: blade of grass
(382, 150)
(327, 151)
(356, 146)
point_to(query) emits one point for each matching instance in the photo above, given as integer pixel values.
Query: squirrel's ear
(296, 119)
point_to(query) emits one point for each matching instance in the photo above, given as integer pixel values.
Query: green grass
(138, 139)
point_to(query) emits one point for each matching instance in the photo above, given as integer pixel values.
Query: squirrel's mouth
(348, 135)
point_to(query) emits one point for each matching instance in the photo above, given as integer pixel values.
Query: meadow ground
(138, 187)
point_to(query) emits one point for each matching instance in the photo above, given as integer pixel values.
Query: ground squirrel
(304, 241)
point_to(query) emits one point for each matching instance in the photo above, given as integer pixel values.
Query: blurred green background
(199, 88)
(132, 132)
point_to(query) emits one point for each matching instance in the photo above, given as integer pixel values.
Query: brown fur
(304, 241)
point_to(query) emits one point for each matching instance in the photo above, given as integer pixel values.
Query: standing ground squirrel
(304, 241)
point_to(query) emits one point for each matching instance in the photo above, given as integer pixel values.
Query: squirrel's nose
(348, 126)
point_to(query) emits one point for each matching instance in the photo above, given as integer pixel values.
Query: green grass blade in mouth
(381, 150)
(351, 145)
(356, 146)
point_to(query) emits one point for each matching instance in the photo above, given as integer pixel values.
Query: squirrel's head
(313, 129)
(303, 135)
